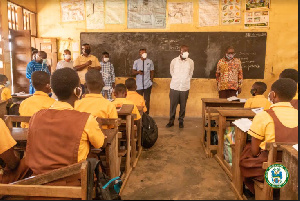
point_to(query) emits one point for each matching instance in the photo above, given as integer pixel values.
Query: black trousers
(227, 93)
(146, 93)
(178, 97)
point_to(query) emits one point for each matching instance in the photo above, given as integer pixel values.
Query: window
(20, 18)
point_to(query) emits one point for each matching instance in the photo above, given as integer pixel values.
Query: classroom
(119, 69)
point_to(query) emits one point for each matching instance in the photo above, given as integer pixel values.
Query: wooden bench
(207, 117)
(35, 186)
(138, 136)
(225, 116)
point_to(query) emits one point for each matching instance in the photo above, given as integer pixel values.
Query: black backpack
(149, 131)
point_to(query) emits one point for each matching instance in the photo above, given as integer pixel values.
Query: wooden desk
(290, 161)
(206, 104)
(127, 118)
(3, 110)
(224, 116)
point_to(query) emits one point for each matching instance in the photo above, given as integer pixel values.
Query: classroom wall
(28, 4)
(282, 47)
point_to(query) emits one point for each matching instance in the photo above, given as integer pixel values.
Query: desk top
(125, 110)
(21, 96)
(220, 100)
(290, 150)
(243, 112)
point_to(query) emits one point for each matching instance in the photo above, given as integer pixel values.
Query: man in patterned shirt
(38, 64)
(229, 74)
(108, 74)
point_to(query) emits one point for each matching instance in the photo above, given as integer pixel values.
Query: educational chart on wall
(253, 4)
(180, 13)
(72, 10)
(231, 12)
(259, 19)
(94, 14)
(114, 11)
(209, 13)
(146, 14)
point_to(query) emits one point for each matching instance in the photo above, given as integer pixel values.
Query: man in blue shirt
(143, 68)
(38, 64)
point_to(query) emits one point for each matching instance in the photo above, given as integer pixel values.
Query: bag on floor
(149, 131)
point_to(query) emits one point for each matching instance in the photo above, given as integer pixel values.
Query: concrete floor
(176, 168)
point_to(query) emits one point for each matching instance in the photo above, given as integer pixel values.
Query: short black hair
(130, 84)
(285, 88)
(120, 88)
(40, 79)
(34, 50)
(85, 44)
(63, 82)
(142, 49)
(93, 79)
(3, 78)
(261, 87)
(67, 50)
(289, 73)
(105, 53)
(229, 47)
(43, 53)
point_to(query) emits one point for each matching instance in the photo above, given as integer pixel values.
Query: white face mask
(106, 59)
(185, 55)
(7, 83)
(144, 55)
(269, 98)
(44, 61)
(75, 92)
(67, 56)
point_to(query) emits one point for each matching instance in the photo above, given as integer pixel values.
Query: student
(108, 74)
(40, 99)
(93, 102)
(14, 169)
(85, 62)
(5, 92)
(278, 124)
(292, 74)
(61, 136)
(66, 62)
(38, 64)
(143, 69)
(259, 100)
(133, 96)
(120, 94)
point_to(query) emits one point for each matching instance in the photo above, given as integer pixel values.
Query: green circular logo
(277, 175)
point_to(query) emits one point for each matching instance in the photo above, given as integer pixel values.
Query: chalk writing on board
(255, 34)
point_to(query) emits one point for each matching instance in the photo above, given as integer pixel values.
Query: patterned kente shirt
(229, 74)
(108, 73)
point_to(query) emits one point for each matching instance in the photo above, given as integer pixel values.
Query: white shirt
(181, 72)
(63, 64)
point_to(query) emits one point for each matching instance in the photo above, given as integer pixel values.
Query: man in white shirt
(181, 69)
(67, 62)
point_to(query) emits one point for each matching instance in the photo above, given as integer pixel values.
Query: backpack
(149, 131)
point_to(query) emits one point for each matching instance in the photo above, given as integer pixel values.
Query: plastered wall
(282, 47)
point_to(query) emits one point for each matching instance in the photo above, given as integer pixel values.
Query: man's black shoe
(170, 124)
(181, 125)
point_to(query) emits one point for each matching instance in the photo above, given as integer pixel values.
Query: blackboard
(206, 48)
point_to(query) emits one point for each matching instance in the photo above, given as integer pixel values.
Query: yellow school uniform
(91, 132)
(97, 105)
(6, 141)
(137, 99)
(296, 97)
(82, 60)
(263, 127)
(33, 104)
(6, 93)
(258, 101)
(118, 102)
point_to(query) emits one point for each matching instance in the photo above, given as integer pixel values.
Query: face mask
(144, 55)
(229, 56)
(253, 91)
(75, 92)
(87, 51)
(269, 98)
(67, 56)
(44, 61)
(106, 59)
(7, 83)
(185, 55)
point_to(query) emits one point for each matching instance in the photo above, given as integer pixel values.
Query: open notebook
(234, 98)
(243, 124)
